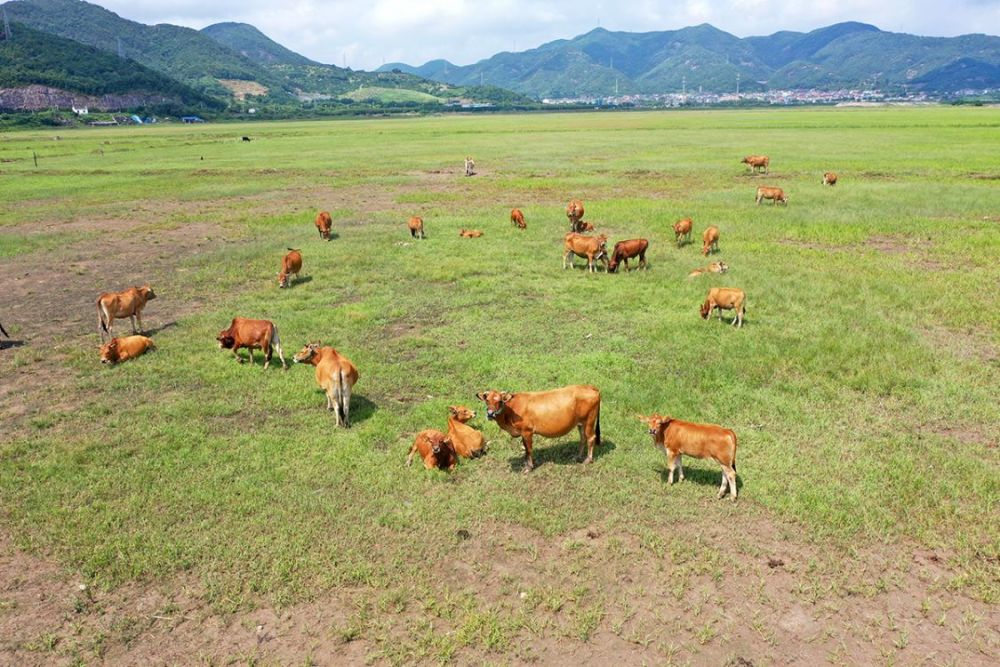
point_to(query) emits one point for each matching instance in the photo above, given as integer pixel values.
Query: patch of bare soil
(973, 344)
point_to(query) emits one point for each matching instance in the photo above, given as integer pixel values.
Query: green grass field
(863, 386)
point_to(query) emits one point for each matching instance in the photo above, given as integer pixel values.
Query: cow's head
(109, 352)
(784, 199)
(461, 413)
(655, 423)
(706, 308)
(718, 267)
(226, 339)
(307, 353)
(438, 445)
(613, 263)
(282, 279)
(495, 401)
(147, 292)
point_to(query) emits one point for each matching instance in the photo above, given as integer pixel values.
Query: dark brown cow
(755, 162)
(574, 211)
(435, 449)
(517, 218)
(551, 413)
(335, 374)
(125, 348)
(829, 178)
(291, 264)
(682, 230)
(323, 223)
(710, 240)
(128, 303)
(591, 247)
(251, 334)
(774, 194)
(699, 440)
(416, 227)
(626, 250)
(725, 298)
(468, 442)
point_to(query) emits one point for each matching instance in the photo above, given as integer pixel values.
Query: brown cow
(574, 211)
(517, 218)
(335, 374)
(323, 223)
(699, 440)
(591, 247)
(435, 448)
(125, 348)
(714, 267)
(755, 162)
(470, 233)
(710, 240)
(251, 334)
(725, 298)
(290, 264)
(829, 178)
(682, 230)
(468, 442)
(774, 194)
(128, 303)
(551, 413)
(626, 250)
(416, 225)
(584, 226)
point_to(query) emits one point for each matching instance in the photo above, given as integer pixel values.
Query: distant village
(771, 97)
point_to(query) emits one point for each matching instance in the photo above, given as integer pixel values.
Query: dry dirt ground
(783, 599)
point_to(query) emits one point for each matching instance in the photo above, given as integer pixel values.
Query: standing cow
(591, 247)
(416, 226)
(323, 223)
(626, 250)
(128, 303)
(291, 264)
(574, 211)
(517, 218)
(335, 374)
(756, 162)
(252, 334)
(829, 178)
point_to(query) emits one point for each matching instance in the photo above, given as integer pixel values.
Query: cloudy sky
(364, 35)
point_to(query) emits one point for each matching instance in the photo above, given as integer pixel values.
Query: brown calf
(290, 264)
(574, 211)
(682, 230)
(435, 449)
(755, 162)
(626, 250)
(725, 298)
(335, 374)
(774, 194)
(125, 348)
(699, 440)
(551, 413)
(714, 267)
(829, 178)
(416, 226)
(323, 223)
(128, 303)
(710, 240)
(517, 218)
(470, 233)
(591, 247)
(468, 442)
(251, 334)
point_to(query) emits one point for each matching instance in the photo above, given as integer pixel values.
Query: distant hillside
(253, 44)
(36, 67)
(841, 55)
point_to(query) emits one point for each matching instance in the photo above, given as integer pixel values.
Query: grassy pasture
(863, 386)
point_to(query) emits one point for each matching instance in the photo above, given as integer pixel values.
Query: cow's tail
(344, 399)
(276, 343)
(102, 317)
(597, 429)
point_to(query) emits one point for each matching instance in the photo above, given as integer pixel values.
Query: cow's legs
(730, 473)
(529, 461)
(138, 316)
(725, 483)
(250, 352)
(680, 465)
(671, 464)
(583, 441)
(566, 258)
(236, 353)
(132, 320)
(267, 355)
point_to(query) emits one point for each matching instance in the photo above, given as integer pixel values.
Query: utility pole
(684, 85)
(121, 51)
(616, 85)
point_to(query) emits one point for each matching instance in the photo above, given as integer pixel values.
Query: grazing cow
(574, 211)
(710, 240)
(682, 230)
(468, 442)
(416, 225)
(435, 448)
(774, 194)
(699, 440)
(714, 267)
(591, 247)
(725, 298)
(128, 303)
(323, 223)
(335, 374)
(517, 218)
(755, 162)
(125, 348)
(551, 413)
(252, 334)
(470, 166)
(626, 250)
(829, 178)
(246, 138)
(470, 233)
(290, 264)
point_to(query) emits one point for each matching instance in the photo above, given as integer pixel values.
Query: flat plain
(185, 509)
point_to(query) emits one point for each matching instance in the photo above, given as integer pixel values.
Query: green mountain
(39, 59)
(253, 44)
(841, 55)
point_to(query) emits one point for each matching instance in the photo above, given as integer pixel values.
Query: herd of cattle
(523, 415)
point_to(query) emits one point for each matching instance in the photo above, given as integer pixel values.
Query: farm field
(185, 509)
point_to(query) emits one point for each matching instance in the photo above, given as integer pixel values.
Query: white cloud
(465, 31)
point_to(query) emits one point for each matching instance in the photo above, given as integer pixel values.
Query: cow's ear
(452, 409)
(505, 396)
(481, 396)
